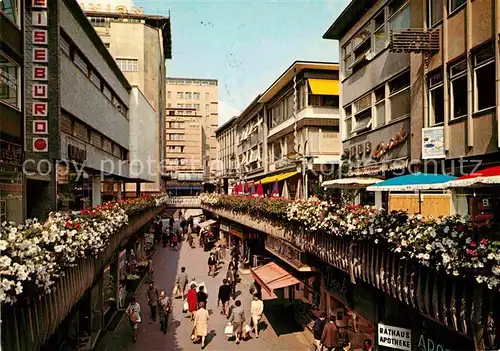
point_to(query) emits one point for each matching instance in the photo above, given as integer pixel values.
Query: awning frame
(207, 223)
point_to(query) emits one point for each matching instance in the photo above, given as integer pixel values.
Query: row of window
(175, 136)
(181, 113)
(70, 49)
(175, 149)
(483, 85)
(11, 9)
(90, 136)
(176, 162)
(435, 9)
(374, 37)
(195, 106)
(191, 82)
(388, 102)
(175, 125)
(9, 81)
(187, 95)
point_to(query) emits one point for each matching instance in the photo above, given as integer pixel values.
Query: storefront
(132, 265)
(248, 242)
(74, 189)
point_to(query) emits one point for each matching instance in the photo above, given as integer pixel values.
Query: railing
(458, 303)
(184, 202)
(29, 323)
(416, 40)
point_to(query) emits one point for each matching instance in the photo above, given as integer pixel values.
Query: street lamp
(303, 165)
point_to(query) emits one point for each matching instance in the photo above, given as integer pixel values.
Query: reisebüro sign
(394, 337)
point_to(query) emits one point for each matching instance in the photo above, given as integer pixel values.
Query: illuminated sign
(108, 8)
(37, 109)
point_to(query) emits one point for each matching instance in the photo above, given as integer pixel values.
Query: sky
(245, 45)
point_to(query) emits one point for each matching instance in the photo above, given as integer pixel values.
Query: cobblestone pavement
(167, 263)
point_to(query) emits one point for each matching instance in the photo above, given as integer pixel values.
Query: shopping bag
(175, 291)
(228, 330)
(248, 329)
(185, 307)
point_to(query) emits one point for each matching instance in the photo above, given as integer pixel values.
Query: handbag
(228, 330)
(185, 307)
(133, 318)
(175, 291)
(248, 329)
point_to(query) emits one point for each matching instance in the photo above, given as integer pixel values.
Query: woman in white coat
(201, 324)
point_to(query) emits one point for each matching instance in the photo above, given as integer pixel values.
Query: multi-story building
(226, 155)
(183, 164)
(251, 148)
(202, 95)
(302, 124)
(140, 44)
(11, 111)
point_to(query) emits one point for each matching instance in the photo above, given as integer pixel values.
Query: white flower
(426, 256)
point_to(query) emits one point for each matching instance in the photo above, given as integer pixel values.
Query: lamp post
(304, 164)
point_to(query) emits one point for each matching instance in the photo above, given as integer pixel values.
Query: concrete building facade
(226, 155)
(202, 96)
(140, 44)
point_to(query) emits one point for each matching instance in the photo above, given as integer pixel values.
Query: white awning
(350, 183)
(207, 223)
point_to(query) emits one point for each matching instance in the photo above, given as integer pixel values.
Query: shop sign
(427, 344)
(433, 143)
(37, 81)
(283, 250)
(77, 154)
(394, 337)
(108, 8)
(11, 153)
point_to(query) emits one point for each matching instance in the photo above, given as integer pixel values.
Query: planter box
(29, 323)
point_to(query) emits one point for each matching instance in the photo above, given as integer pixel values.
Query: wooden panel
(436, 205)
(403, 202)
(65, 124)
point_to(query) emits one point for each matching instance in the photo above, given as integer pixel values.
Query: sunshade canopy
(324, 86)
(276, 178)
(485, 177)
(271, 276)
(350, 183)
(412, 182)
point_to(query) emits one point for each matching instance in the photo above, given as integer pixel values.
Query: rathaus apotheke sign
(110, 8)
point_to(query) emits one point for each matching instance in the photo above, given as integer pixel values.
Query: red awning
(271, 276)
(486, 177)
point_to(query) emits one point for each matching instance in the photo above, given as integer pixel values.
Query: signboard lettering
(108, 8)
(284, 250)
(77, 154)
(427, 344)
(37, 44)
(394, 337)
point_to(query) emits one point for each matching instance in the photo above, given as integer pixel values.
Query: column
(96, 190)
(378, 199)
(119, 194)
(137, 189)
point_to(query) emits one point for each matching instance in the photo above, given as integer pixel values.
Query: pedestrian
(171, 223)
(231, 279)
(256, 311)
(319, 325)
(201, 323)
(237, 319)
(224, 297)
(153, 300)
(192, 300)
(134, 313)
(329, 335)
(190, 239)
(211, 265)
(175, 240)
(164, 237)
(201, 295)
(255, 289)
(150, 278)
(346, 346)
(164, 310)
(367, 345)
(182, 281)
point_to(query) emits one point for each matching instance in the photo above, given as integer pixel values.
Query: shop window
(458, 89)
(484, 78)
(9, 81)
(399, 96)
(434, 12)
(436, 99)
(11, 9)
(455, 4)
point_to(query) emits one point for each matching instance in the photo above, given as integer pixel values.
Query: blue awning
(412, 182)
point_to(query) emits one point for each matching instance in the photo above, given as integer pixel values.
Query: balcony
(414, 40)
(31, 321)
(458, 303)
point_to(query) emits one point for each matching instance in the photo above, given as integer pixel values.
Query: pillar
(378, 200)
(119, 194)
(137, 189)
(96, 190)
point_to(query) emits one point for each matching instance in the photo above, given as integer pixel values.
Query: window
(169, 105)
(95, 79)
(196, 96)
(169, 94)
(65, 46)
(176, 125)
(187, 95)
(484, 78)
(207, 107)
(362, 114)
(458, 89)
(400, 96)
(107, 92)
(380, 106)
(9, 80)
(207, 96)
(128, 65)
(348, 120)
(174, 136)
(435, 12)
(188, 106)
(380, 34)
(348, 58)
(107, 45)
(81, 63)
(436, 99)
(399, 13)
(180, 95)
(11, 9)
(197, 107)
(455, 4)
(289, 106)
(180, 105)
